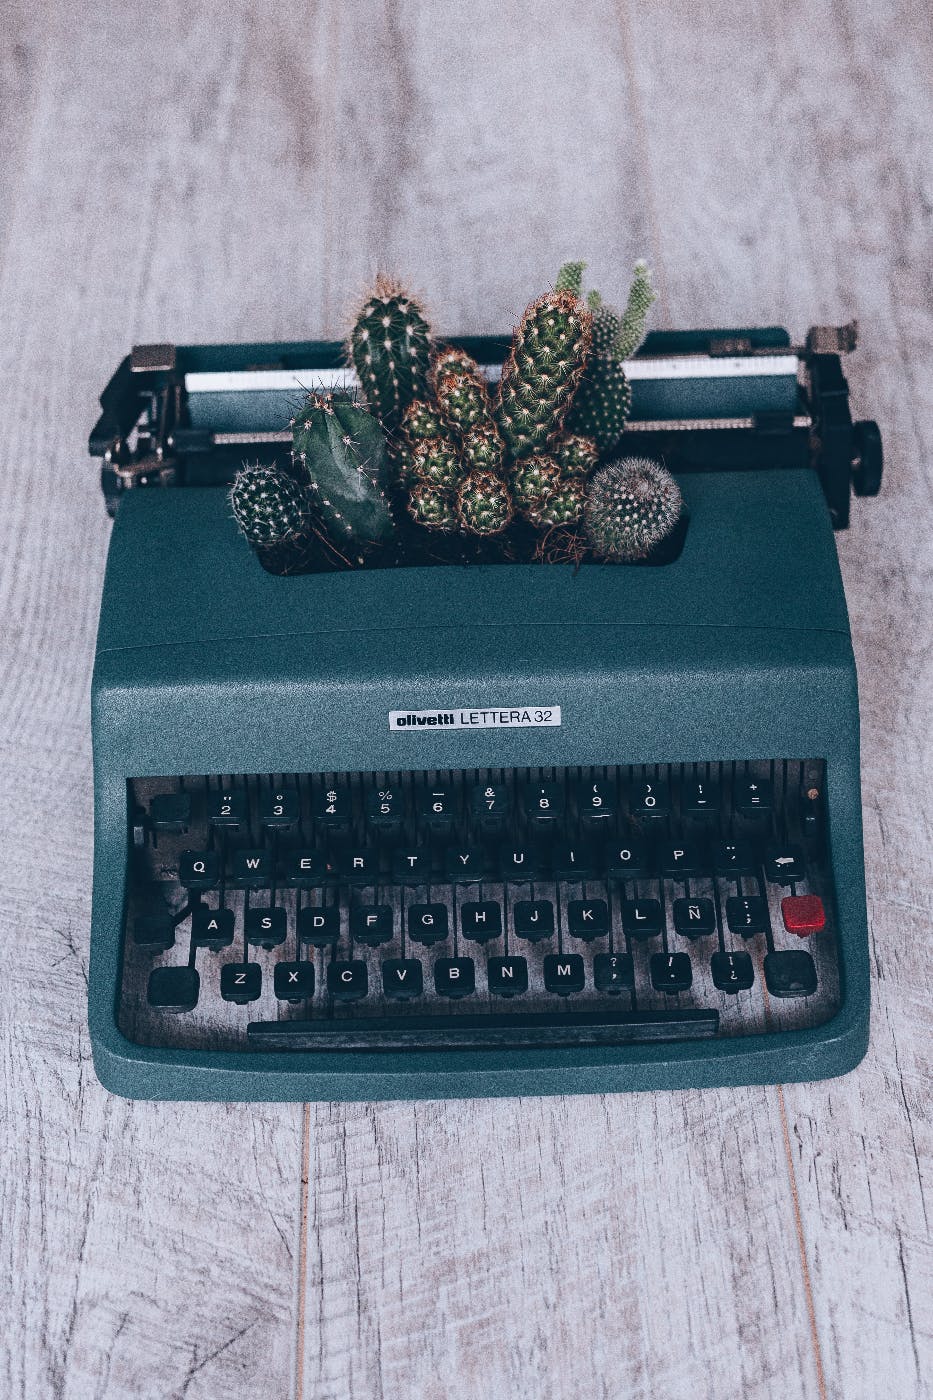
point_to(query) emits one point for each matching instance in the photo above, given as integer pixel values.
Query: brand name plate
(495, 717)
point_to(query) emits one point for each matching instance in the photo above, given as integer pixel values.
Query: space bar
(528, 1030)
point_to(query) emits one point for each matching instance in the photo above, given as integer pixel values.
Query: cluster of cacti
(389, 346)
(604, 398)
(631, 506)
(458, 460)
(542, 371)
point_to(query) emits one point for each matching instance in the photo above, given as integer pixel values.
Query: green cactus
(388, 347)
(607, 323)
(482, 449)
(269, 507)
(422, 420)
(483, 504)
(641, 298)
(602, 403)
(463, 400)
(432, 508)
(532, 479)
(342, 451)
(575, 454)
(436, 462)
(632, 504)
(447, 359)
(570, 278)
(543, 368)
(563, 506)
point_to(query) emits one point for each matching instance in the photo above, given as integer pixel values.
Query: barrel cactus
(482, 449)
(341, 450)
(575, 454)
(432, 508)
(562, 506)
(532, 479)
(484, 506)
(436, 462)
(632, 504)
(269, 507)
(389, 348)
(463, 400)
(543, 368)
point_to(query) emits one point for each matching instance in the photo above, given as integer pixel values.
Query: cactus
(632, 504)
(269, 507)
(447, 359)
(641, 298)
(388, 347)
(482, 449)
(463, 399)
(607, 323)
(575, 454)
(432, 508)
(436, 462)
(483, 504)
(342, 450)
(570, 278)
(543, 368)
(532, 479)
(422, 420)
(562, 506)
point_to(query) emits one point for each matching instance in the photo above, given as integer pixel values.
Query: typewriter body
(497, 829)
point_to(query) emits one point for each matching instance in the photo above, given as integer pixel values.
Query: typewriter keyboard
(518, 907)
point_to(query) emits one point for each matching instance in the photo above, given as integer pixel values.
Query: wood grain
(208, 171)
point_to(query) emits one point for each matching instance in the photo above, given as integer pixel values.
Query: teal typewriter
(488, 829)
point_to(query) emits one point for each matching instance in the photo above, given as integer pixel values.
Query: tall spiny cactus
(631, 506)
(341, 450)
(543, 368)
(269, 507)
(641, 298)
(388, 346)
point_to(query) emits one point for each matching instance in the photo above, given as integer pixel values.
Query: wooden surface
(215, 170)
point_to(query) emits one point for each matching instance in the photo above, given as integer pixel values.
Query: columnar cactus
(269, 507)
(570, 278)
(575, 454)
(632, 504)
(388, 346)
(483, 504)
(432, 508)
(482, 449)
(532, 479)
(562, 506)
(543, 368)
(604, 399)
(641, 298)
(342, 452)
(436, 462)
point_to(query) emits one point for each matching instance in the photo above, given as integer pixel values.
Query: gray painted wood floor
(208, 170)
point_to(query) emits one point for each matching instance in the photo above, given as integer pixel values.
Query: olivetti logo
(499, 717)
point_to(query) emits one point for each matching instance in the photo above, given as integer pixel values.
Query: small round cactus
(483, 504)
(482, 449)
(577, 455)
(463, 399)
(602, 403)
(447, 359)
(422, 420)
(532, 479)
(563, 506)
(269, 507)
(435, 462)
(632, 504)
(432, 508)
(607, 323)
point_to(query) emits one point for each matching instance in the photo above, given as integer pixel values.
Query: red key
(803, 914)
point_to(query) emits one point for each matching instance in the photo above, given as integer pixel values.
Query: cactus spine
(269, 507)
(484, 506)
(432, 508)
(389, 349)
(543, 368)
(342, 450)
(631, 506)
(641, 298)
(482, 449)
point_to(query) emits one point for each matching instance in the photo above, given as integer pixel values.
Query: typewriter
(496, 829)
